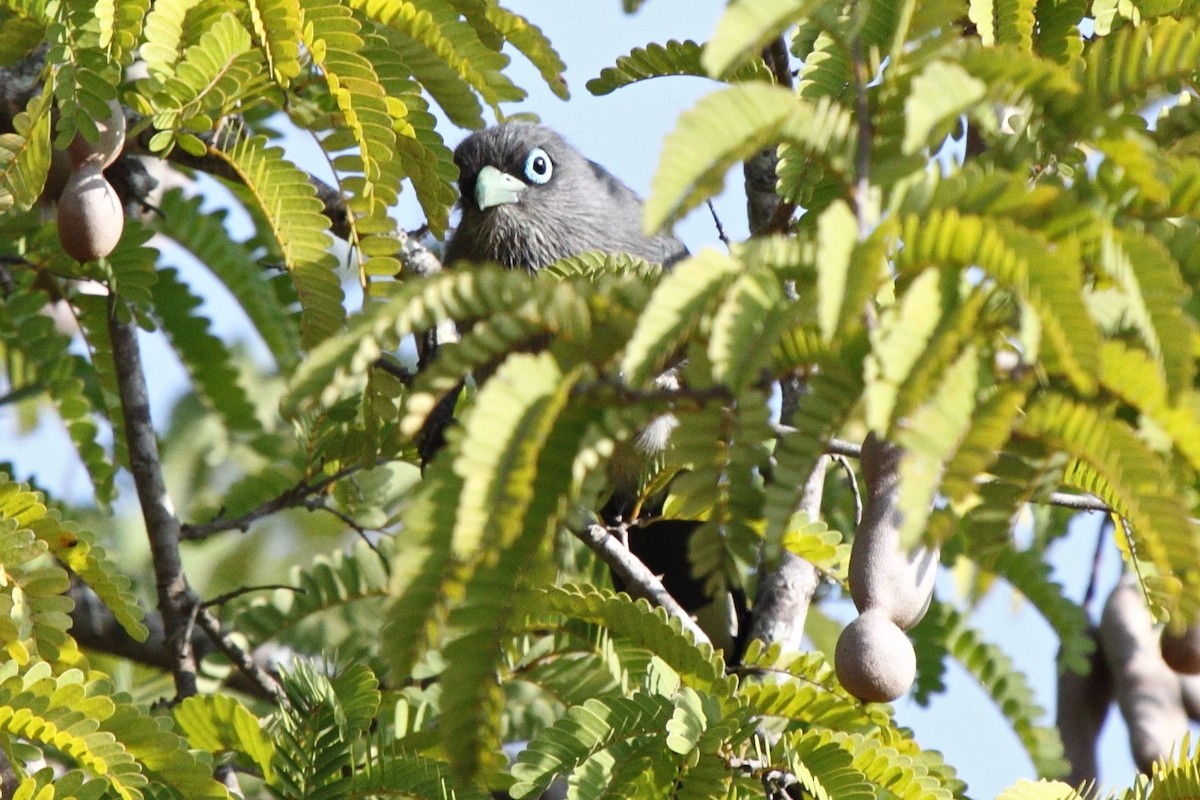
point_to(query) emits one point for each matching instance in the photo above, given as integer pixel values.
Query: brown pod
(90, 218)
(874, 660)
(108, 148)
(1082, 707)
(882, 576)
(1182, 651)
(1148, 691)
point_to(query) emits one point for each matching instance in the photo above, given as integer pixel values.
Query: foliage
(1017, 312)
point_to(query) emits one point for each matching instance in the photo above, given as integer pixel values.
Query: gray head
(528, 199)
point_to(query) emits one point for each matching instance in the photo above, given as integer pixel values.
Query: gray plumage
(577, 207)
(529, 199)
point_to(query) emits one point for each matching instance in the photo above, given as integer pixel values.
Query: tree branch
(175, 598)
(637, 576)
(95, 628)
(785, 590)
(765, 211)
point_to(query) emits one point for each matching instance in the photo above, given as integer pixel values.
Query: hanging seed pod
(1181, 651)
(882, 576)
(874, 659)
(1148, 692)
(89, 215)
(1082, 707)
(108, 148)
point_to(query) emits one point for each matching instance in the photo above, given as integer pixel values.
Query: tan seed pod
(874, 660)
(1182, 651)
(89, 215)
(882, 577)
(1082, 707)
(108, 148)
(1148, 691)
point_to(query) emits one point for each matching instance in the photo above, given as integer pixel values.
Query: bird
(528, 198)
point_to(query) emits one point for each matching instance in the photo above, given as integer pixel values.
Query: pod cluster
(891, 588)
(89, 217)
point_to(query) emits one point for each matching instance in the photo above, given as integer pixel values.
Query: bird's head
(528, 198)
(508, 165)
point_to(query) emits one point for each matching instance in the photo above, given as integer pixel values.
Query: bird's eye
(538, 166)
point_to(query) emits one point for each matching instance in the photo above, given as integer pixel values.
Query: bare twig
(222, 599)
(397, 371)
(291, 497)
(1072, 500)
(162, 528)
(852, 479)
(724, 237)
(636, 575)
(1089, 594)
(263, 679)
(315, 504)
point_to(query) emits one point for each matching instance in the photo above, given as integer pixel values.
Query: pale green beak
(495, 188)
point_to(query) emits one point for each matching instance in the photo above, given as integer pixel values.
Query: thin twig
(222, 599)
(1089, 594)
(724, 237)
(314, 504)
(1071, 500)
(852, 479)
(261, 678)
(162, 527)
(397, 371)
(636, 575)
(291, 497)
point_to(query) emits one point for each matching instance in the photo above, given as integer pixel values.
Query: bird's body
(528, 199)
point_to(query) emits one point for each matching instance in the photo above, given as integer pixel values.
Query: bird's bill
(495, 188)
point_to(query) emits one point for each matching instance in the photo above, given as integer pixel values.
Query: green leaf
(277, 31)
(25, 156)
(204, 233)
(219, 723)
(533, 44)
(678, 300)
(205, 356)
(746, 27)
(1155, 291)
(585, 730)
(282, 193)
(722, 129)
(727, 127)
(939, 95)
(659, 60)
(1116, 466)
(930, 436)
